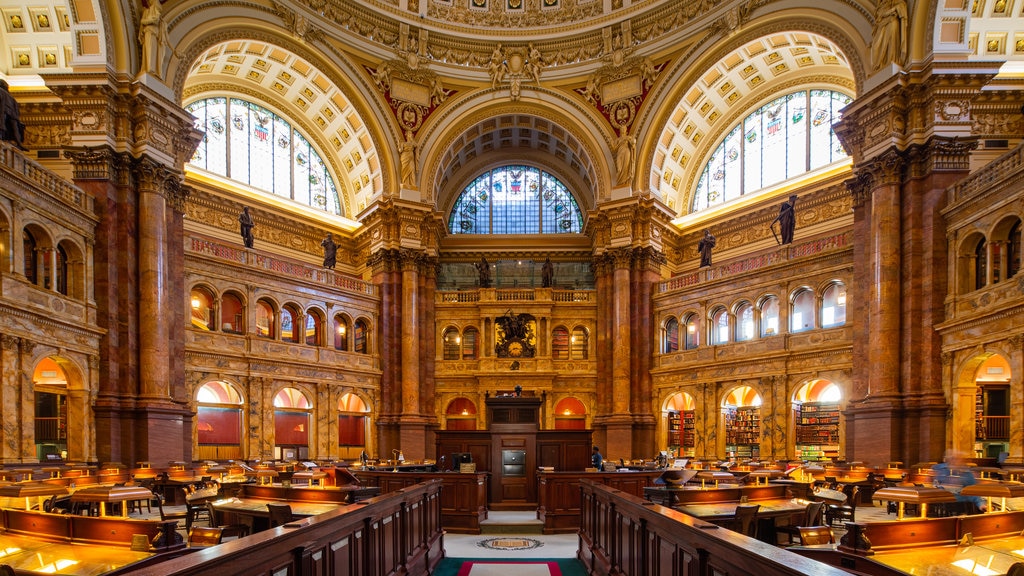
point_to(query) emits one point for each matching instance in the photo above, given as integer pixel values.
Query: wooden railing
(398, 533)
(993, 428)
(624, 535)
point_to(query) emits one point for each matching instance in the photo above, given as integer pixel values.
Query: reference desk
(256, 509)
(559, 494)
(463, 496)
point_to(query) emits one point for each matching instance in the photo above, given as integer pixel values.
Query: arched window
(359, 341)
(578, 343)
(28, 245)
(720, 326)
(218, 421)
(62, 270)
(352, 417)
(833, 305)
(452, 344)
(783, 139)
(980, 264)
(50, 383)
(314, 328)
(802, 316)
(201, 304)
(744, 322)
(692, 332)
(560, 344)
(248, 143)
(460, 415)
(265, 327)
(291, 424)
(470, 337)
(340, 333)
(570, 414)
(231, 314)
(516, 200)
(1013, 251)
(769, 316)
(671, 335)
(291, 325)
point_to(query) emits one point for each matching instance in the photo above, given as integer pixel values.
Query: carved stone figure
(497, 67)
(547, 274)
(407, 159)
(535, 63)
(624, 154)
(704, 247)
(246, 225)
(484, 269)
(889, 38)
(330, 251)
(153, 38)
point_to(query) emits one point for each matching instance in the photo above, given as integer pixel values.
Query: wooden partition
(559, 494)
(397, 533)
(624, 535)
(89, 529)
(463, 496)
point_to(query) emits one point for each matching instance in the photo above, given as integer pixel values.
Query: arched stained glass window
(783, 139)
(250, 144)
(516, 200)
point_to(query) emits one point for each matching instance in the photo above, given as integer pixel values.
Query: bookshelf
(817, 431)
(743, 431)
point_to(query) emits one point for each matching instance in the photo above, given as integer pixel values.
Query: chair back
(812, 514)
(200, 536)
(6, 570)
(280, 514)
(811, 535)
(746, 519)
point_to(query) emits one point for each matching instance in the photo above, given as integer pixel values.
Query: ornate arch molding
(450, 126)
(688, 69)
(342, 73)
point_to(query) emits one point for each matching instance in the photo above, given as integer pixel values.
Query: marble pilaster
(10, 397)
(410, 337)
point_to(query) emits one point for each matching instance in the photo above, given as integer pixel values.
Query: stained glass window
(516, 200)
(783, 139)
(248, 143)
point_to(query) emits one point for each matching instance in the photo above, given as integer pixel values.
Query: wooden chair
(280, 514)
(812, 535)
(812, 516)
(745, 519)
(6, 570)
(843, 512)
(203, 536)
(176, 516)
(216, 520)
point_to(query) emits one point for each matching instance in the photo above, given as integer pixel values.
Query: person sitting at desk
(596, 459)
(953, 475)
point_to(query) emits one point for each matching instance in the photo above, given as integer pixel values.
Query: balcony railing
(992, 428)
(516, 295)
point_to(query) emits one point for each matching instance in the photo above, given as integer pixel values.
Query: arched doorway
(570, 414)
(51, 410)
(353, 418)
(680, 409)
(742, 416)
(460, 414)
(218, 422)
(816, 420)
(292, 410)
(992, 407)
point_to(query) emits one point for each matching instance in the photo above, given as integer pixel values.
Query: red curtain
(291, 428)
(219, 425)
(351, 430)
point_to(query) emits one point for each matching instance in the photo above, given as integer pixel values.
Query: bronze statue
(704, 247)
(485, 272)
(786, 220)
(11, 127)
(330, 251)
(547, 274)
(246, 225)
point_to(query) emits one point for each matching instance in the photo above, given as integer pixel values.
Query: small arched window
(671, 336)
(744, 322)
(291, 325)
(340, 333)
(560, 344)
(833, 305)
(570, 414)
(28, 245)
(769, 316)
(231, 314)
(201, 305)
(980, 264)
(265, 324)
(359, 343)
(62, 270)
(720, 326)
(692, 335)
(452, 344)
(802, 317)
(470, 338)
(1013, 251)
(578, 343)
(314, 328)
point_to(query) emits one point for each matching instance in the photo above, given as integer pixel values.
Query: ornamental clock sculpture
(515, 336)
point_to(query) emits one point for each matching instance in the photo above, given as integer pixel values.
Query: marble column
(884, 267)
(10, 401)
(154, 376)
(410, 337)
(27, 408)
(621, 318)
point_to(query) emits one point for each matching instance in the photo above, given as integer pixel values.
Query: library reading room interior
(331, 242)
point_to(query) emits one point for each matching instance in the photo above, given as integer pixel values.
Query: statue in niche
(706, 244)
(153, 39)
(330, 251)
(547, 274)
(484, 269)
(407, 159)
(889, 38)
(246, 224)
(786, 220)
(625, 146)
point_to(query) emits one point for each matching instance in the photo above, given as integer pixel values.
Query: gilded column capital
(620, 258)
(946, 358)
(887, 168)
(95, 163)
(941, 154)
(385, 260)
(649, 258)
(1015, 341)
(26, 346)
(859, 188)
(9, 342)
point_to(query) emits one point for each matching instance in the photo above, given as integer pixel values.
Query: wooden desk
(256, 509)
(25, 553)
(104, 495)
(724, 511)
(463, 497)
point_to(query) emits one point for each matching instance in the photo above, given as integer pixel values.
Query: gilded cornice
(859, 188)
(50, 327)
(99, 163)
(940, 154)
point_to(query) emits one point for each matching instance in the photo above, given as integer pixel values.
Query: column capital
(859, 188)
(98, 163)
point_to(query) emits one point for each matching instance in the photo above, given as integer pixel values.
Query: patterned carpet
(477, 567)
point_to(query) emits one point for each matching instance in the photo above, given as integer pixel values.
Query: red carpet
(505, 567)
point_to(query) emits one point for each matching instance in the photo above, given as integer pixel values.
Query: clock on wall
(515, 336)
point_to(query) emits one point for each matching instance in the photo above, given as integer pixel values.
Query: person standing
(246, 225)
(596, 459)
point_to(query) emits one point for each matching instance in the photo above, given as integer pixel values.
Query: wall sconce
(841, 299)
(568, 412)
(691, 328)
(195, 303)
(458, 339)
(341, 329)
(465, 412)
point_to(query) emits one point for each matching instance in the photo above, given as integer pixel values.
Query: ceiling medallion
(515, 4)
(480, 3)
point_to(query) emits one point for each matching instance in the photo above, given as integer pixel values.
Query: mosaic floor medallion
(513, 543)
